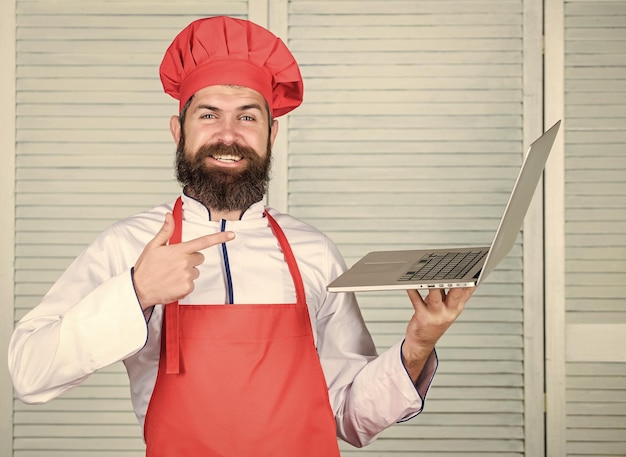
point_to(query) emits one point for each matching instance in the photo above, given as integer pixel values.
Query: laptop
(456, 267)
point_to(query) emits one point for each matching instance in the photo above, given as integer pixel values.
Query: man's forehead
(231, 95)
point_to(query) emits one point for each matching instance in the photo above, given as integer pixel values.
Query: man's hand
(165, 273)
(432, 317)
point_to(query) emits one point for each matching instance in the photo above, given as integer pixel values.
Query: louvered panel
(93, 146)
(595, 215)
(596, 409)
(410, 136)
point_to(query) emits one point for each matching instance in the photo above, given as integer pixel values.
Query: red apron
(240, 380)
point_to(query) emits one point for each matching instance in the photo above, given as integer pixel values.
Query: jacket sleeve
(368, 392)
(89, 319)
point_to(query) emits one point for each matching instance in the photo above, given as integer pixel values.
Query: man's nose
(227, 132)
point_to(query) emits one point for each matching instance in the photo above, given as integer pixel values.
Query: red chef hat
(223, 50)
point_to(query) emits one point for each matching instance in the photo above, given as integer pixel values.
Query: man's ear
(273, 131)
(175, 128)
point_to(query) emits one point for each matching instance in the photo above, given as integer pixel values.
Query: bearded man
(217, 305)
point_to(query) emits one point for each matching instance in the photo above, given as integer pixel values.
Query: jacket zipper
(229, 278)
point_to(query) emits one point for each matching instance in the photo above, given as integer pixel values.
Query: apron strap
(290, 258)
(172, 326)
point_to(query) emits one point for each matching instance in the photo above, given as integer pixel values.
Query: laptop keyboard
(443, 266)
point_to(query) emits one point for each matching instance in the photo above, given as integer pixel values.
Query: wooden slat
(113, 9)
(381, 10)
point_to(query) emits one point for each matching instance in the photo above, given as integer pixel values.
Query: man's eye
(247, 118)
(207, 116)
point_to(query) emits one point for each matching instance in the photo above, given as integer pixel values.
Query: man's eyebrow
(207, 107)
(251, 106)
(241, 108)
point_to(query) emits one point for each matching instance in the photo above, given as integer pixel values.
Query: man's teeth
(227, 158)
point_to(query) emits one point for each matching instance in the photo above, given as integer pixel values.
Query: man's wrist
(414, 358)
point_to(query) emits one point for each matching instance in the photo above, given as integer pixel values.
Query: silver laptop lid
(520, 198)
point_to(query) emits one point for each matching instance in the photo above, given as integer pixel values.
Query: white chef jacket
(91, 317)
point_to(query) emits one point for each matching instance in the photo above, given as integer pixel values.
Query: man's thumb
(165, 233)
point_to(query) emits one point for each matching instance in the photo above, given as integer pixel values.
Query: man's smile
(227, 158)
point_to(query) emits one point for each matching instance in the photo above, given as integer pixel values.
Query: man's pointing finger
(203, 242)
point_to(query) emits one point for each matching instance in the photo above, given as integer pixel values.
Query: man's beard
(223, 189)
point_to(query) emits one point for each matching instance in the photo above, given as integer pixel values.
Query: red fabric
(225, 50)
(250, 381)
(173, 335)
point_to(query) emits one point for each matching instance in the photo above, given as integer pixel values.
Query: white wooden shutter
(93, 146)
(411, 135)
(595, 227)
